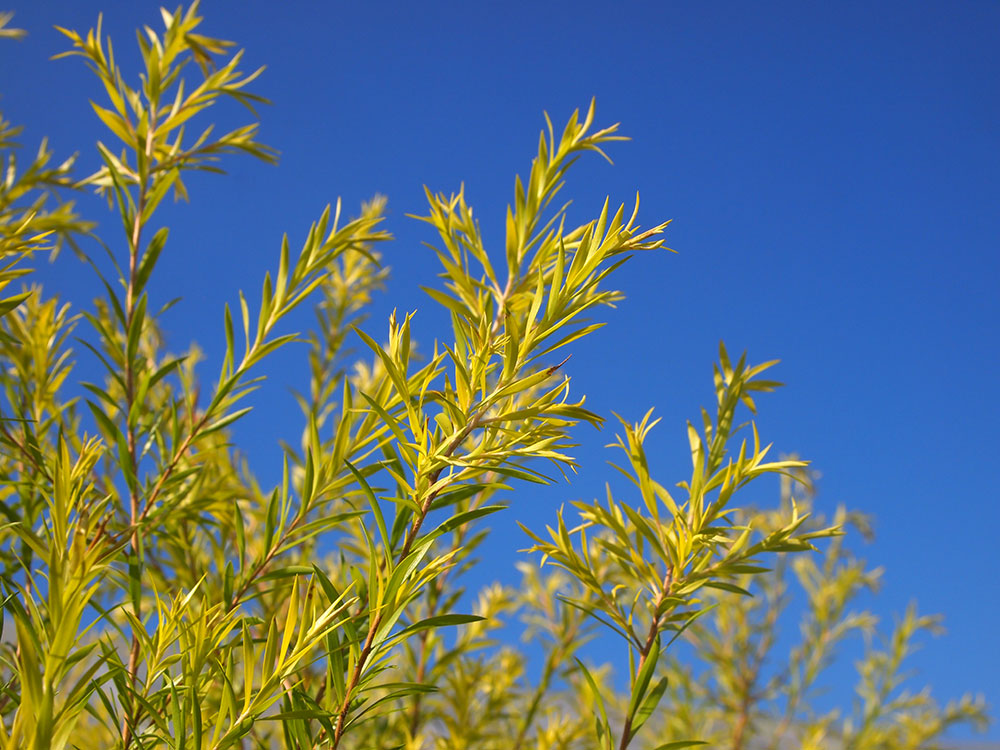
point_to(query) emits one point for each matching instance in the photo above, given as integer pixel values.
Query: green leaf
(373, 503)
(643, 677)
(726, 586)
(604, 729)
(11, 302)
(460, 519)
(150, 257)
(226, 420)
(240, 528)
(649, 705)
(438, 621)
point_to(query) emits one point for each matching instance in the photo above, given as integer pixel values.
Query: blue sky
(832, 173)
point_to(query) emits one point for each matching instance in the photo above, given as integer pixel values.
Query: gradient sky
(832, 173)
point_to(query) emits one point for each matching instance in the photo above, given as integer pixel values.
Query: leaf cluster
(160, 597)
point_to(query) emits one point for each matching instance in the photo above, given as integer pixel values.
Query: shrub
(159, 597)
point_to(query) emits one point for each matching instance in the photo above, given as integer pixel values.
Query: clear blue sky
(832, 173)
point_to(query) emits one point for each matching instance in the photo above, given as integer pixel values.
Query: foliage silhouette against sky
(832, 176)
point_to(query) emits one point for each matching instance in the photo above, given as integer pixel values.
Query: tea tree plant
(158, 596)
(738, 691)
(667, 550)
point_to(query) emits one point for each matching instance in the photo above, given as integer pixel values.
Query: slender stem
(556, 657)
(133, 710)
(752, 671)
(423, 658)
(376, 618)
(437, 591)
(414, 530)
(647, 646)
(654, 629)
(38, 469)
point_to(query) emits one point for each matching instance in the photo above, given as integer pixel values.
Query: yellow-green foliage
(155, 596)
